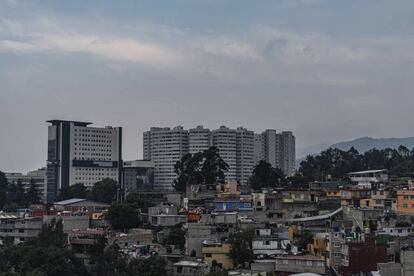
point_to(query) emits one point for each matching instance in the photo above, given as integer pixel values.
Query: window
(406, 197)
(405, 205)
(208, 255)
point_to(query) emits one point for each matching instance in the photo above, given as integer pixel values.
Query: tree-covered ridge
(337, 163)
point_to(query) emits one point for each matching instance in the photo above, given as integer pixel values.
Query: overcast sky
(328, 70)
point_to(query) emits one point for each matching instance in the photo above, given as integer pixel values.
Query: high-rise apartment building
(200, 139)
(240, 148)
(278, 149)
(244, 154)
(224, 139)
(288, 153)
(164, 147)
(78, 153)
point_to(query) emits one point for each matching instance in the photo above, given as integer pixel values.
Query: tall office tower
(288, 154)
(164, 147)
(244, 154)
(225, 140)
(199, 139)
(78, 153)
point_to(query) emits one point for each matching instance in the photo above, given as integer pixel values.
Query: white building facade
(164, 147)
(278, 149)
(240, 148)
(78, 153)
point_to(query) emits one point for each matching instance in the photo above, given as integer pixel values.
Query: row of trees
(337, 163)
(208, 167)
(14, 195)
(105, 191)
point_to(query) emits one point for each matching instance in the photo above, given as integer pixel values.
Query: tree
(214, 166)
(153, 266)
(205, 167)
(176, 237)
(3, 189)
(241, 247)
(139, 202)
(264, 176)
(47, 254)
(188, 170)
(123, 216)
(78, 190)
(107, 260)
(304, 239)
(104, 190)
(33, 194)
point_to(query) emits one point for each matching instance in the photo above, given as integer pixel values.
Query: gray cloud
(326, 88)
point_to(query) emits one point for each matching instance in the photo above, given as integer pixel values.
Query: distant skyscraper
(199, 139)
(240, 148)
(244, 155)
(278, 149)
(288, 153)
(224, 139)
(164, 147)
(78, 153)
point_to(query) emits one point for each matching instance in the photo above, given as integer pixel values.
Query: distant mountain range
(362, 144)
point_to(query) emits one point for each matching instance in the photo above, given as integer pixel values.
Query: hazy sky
(328, 70)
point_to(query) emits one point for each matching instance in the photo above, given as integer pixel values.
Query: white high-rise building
(164, 147)
(224, 139)
(259, 151)
(78, 153)
(278, 149)
(288, 153)
(244, 154)
(240, 148)
(199, 139)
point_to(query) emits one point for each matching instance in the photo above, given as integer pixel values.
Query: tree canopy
(47, 254)
(336, 163)
(78, 190)
(123, 216)
(241, 247)
(205, 167)
(104, 190)
(264, 176)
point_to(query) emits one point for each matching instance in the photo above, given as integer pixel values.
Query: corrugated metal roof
(69, 201)
(316, 217)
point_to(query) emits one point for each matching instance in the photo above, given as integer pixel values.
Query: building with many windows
(240, 148)
(137, 175)
(78, 153)
(224, 139)
(164, 147)
(200, 139)
(277, 149)
(244, 154)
